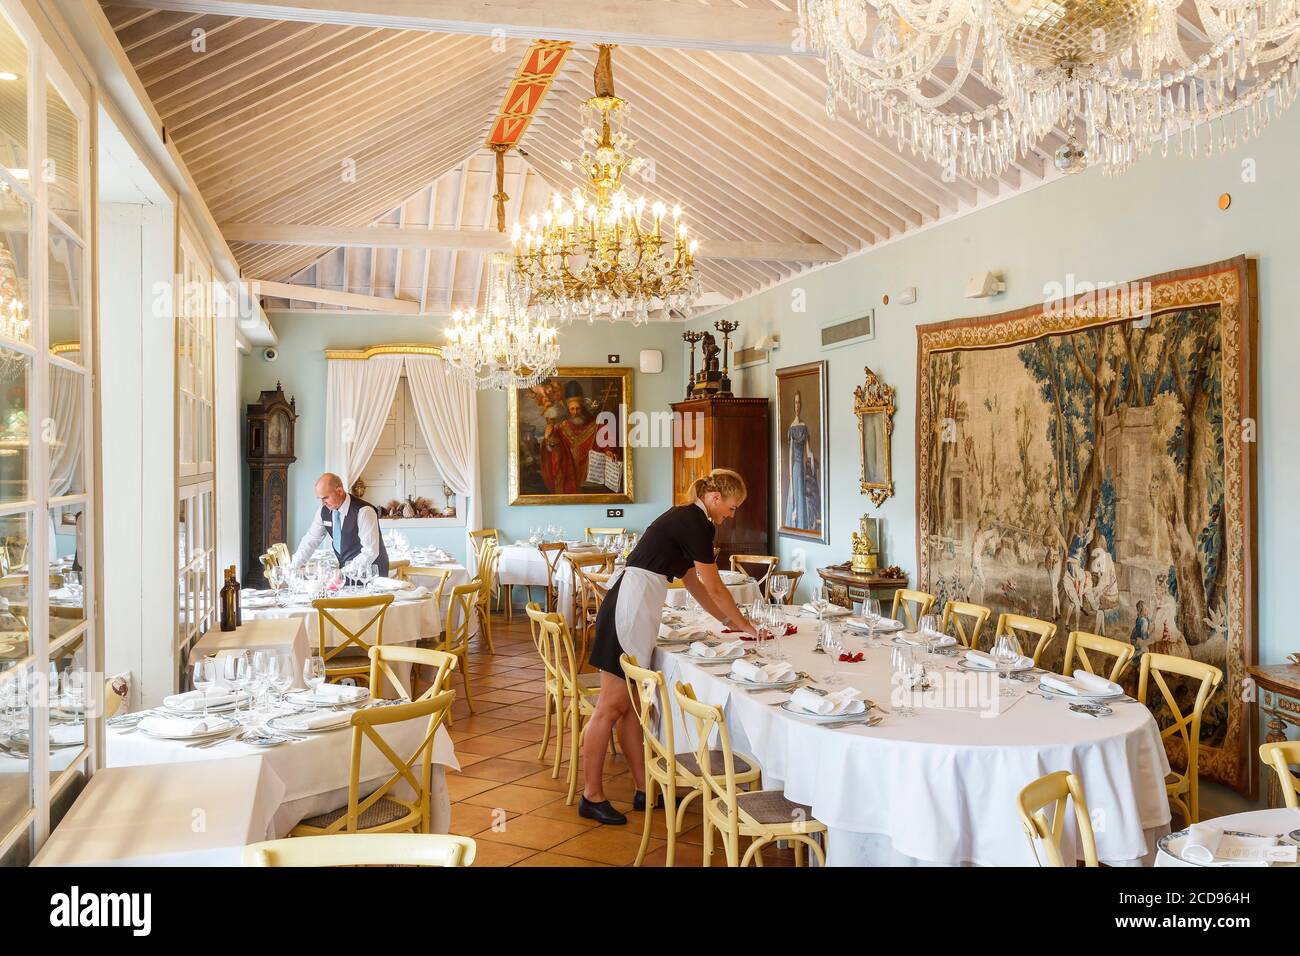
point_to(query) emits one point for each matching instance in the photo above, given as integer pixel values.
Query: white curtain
(65, 409)
(358, 398)
(447, 410)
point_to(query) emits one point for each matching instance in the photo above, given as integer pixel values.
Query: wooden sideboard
(1279, 701)
(733, 433)
(849, 587)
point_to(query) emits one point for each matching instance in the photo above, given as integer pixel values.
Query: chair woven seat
(771, 807)
(382, 812)
(691, 764)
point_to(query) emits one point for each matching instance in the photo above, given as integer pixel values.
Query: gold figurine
(864, 550)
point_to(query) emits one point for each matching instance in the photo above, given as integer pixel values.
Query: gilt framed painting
(568, 438)
(802, 451)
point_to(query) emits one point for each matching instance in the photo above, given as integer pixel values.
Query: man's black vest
(351, 539)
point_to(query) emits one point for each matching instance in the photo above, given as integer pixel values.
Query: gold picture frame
(873, 404)
(535, 470)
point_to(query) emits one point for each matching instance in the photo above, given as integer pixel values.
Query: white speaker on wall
(652, 361)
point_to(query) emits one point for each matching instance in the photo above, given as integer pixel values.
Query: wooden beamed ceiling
(351, 123)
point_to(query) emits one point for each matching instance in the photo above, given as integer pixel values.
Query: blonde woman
(678, 544)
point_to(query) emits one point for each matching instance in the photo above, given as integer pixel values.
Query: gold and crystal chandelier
(1118, 77)
(507, 347)
(602, 253)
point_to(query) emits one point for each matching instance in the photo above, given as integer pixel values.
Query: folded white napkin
(989, 662)
(1210, 846)
(1096, 684)
(173, 726)
(772, 673)
(725, 649)
(841, 702)
(218, 695)
(867, 622)
(390, 584)
(921, 638)
(1076, 687)
(64, 735)
(833, 611)
(733, 577)
(681, 633)
(64, 594)
(341, 693)
(326, 718)
(414, 594)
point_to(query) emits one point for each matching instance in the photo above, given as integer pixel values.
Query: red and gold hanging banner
(541, 63)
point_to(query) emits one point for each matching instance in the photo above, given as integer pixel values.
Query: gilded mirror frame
(874, 397)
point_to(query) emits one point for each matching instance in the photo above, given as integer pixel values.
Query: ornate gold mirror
(873, 403)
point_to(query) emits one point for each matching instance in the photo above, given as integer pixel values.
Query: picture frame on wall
(568, 438)
(803, 452)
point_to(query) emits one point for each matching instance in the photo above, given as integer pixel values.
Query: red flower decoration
(851, 658)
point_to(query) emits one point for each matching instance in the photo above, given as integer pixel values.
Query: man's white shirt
(367, 531)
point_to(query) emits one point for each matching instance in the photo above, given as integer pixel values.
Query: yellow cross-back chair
(478, 539)
(966, 619)
(435, 579)
(551, 552)
(572, 695)
(676, 775)
(363, 849)
(1017, 626)
(905, 598)
(486, 579)
(793, 576)
(600, 561)
(594, 533)
(762, 815)
(383, 656)
(592, 587)
(1083, 642)
(455, 632)
(380, 812)
(1187, 726)
(356, 642)
(1032, 802)
(757, 566)
(1278, 755)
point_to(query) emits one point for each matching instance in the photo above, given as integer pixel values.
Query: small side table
(848, 587)
(1279, 700)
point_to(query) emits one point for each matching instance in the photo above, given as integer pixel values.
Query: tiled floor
(505, 797)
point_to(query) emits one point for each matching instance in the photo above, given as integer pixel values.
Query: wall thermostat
(652, 361)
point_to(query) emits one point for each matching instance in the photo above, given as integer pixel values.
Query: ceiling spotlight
(6, 75)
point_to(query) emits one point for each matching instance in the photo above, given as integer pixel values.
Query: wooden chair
(379, 812)
(594, 533)
(906, 598)
(1083, 642)
(762, 815)
(1188, 727)
(363, 849)
(592, 587)
(551, 553)
(1017, 625)
(793, 576)
(599, 561)
(357, 663)
(1055, 788)
(961, 615)
(764, 563)
(671, 772)
(1278, 756)
(436, 580)
(478, 539)
(385, 654)
(486, 579)
(455, 632)
(572, 694)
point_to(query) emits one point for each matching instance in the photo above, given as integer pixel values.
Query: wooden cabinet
(733, 433)
(269, 451)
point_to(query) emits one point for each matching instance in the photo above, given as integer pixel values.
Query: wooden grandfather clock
(270, 453)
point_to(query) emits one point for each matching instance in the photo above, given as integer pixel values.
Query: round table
(1262, 822)
(939, 787)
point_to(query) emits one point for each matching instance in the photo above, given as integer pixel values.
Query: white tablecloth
(314, 771)
(202, 813)
(746, 592)
(940, 787)
(524, 565)
(1262, 822)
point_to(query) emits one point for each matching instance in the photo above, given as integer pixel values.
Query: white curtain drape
(65, 410)
(358, 398)
(447, 411)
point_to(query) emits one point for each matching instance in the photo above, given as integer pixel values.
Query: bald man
(352, 525)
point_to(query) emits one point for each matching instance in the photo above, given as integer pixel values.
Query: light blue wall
(301, 368)
(1161, 215)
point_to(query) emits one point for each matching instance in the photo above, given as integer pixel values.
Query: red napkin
(789, 629)
(851, 658)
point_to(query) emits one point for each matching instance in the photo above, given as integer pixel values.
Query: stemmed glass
(313, 673)
(778, 587)
(238, 673)
(372, 573)
(281, 673)
(205, 675)
(928, 625)
(276, 578)
(72, 580)
(903, 664)
(1006, 651)
(833, 648)
(821, 601)
(871, 611)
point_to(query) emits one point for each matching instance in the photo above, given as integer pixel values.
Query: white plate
(223, 726)
(285, 723)
(736, 655)
(241, 700)
(755, 685)
(822, 718)
(1086, 698)
(963, 664)
(1172, 843)
(304, 698)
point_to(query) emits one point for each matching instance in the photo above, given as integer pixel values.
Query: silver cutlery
(871, 722)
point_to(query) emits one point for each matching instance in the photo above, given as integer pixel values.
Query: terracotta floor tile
(500, 770)
(555, 859)
(499, 696)
(496, 680)
(461, 787)
(467, 819)
(542, 780)
(524, 731)
(527, 751)
(558, 811)
(488, 744)
(615, 845)
(500, 854)
(686, 854)
(512, 796)
(530, 830)
(467, 759)
(521, 712)
(482, 724)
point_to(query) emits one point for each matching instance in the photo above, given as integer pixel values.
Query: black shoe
(602, 812)
(638, 801)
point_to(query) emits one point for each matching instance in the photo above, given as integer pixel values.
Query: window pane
(62, 166)
(66, 586)
(69, 699)
(15, 591)
(66, 305)
(17, 705)
(15, 265)
(15, 376)
(13, 98)
(66, 434)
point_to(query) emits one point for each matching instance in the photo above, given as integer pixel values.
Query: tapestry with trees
(1089, 462)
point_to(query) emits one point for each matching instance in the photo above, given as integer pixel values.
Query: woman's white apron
(638, 611)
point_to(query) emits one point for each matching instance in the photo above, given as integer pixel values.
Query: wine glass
(1006, 651)
(821, 601)
(261, 678)
(928, 626)
(72, 581)
(833, 648)
(903, 666)
(281, 672)
(372, 573)
(205, 675)
(778, 587)
(313, 673)
(275, 578)
(871, 611)
(237, 671)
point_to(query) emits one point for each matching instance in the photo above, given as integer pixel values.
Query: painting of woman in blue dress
(801, 449)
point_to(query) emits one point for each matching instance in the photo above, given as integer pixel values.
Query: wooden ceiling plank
(302, 293)
(120, 17)
(161, 24)
(145, 55)
(250, 41)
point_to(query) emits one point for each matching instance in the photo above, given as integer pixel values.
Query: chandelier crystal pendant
(1117, 77)
(601, 253)
(507, 347)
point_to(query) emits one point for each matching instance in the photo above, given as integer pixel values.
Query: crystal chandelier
(603, 253)
(507, 347)
(1115, 76)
